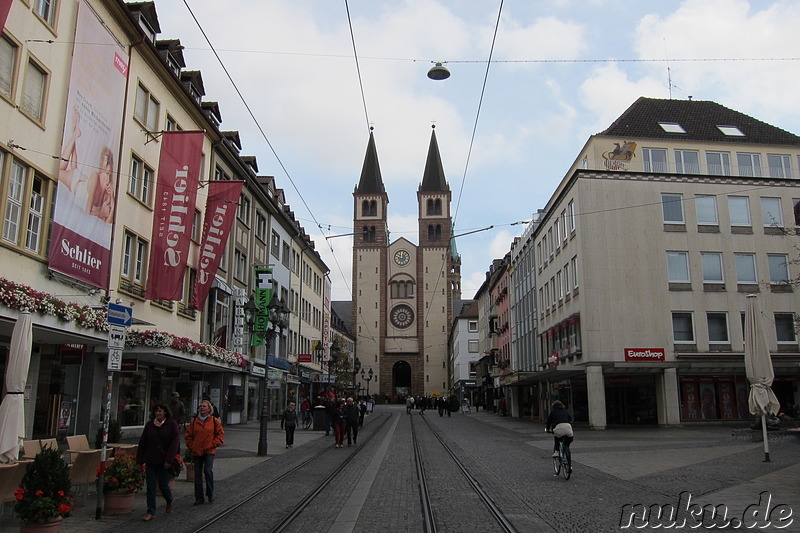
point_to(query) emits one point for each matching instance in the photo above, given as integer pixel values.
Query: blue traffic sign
(119, 315)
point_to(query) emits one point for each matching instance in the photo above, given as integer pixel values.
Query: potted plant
(121, 480)
(188, 462)
(44, 498)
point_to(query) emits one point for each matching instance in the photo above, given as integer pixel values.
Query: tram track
(428, 503)
(306, 499)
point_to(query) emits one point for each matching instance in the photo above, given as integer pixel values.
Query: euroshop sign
(644, 354)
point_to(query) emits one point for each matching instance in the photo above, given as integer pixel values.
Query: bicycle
(563, 463)
(307, 422)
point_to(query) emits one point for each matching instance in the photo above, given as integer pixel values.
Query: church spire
(371, 181)
(433, 178)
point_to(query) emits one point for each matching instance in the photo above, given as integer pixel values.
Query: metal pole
(264, 417)
(99, 508)
(766, 440)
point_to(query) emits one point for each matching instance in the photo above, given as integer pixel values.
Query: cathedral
(404, 293)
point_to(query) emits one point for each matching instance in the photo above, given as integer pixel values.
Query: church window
(437, 207)
(365, 208)
(429, 207)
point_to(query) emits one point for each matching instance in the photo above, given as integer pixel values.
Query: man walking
(203, 435)
(351, 415)
(178, 410)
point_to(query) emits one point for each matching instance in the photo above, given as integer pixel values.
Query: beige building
(645, 255)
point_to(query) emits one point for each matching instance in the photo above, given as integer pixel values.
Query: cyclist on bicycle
(558, 422)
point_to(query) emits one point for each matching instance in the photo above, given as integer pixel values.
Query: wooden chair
(49, 443)
(30, 448)
(10, 478)
(77, 443)
(83, 471)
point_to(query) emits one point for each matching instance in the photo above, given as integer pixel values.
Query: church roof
(700, 120)
(371, 181)
(433, 178)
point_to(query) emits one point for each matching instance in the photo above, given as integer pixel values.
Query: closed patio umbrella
(758, 366)
(12, 412)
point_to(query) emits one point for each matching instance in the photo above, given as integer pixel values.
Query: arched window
(437, 207)
(365, 208)
(429, 207)
(402, 289)
(430, 233)
(373, 208)
(372, 234)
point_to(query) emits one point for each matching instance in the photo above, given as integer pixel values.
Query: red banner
(5, 7)
(176, 195)
(223, 197)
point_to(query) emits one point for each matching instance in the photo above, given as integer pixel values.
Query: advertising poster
(708, 401)
(690, 400)
(87, 176)
(725, 400)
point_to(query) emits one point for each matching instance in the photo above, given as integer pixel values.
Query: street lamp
(366, 376)
(278, 313)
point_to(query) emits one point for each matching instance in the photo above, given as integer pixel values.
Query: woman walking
(203, 435)
(289, 423)
(339, 424)
(159, 446)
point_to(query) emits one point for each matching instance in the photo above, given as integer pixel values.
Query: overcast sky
(562, 70)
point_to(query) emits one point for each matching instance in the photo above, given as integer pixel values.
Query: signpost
(119, 318)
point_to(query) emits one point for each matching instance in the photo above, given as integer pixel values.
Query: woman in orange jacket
(203, 435)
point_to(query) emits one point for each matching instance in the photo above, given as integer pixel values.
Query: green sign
(262, 295)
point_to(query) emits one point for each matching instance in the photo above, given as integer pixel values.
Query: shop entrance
(631, 401)
(401, 378)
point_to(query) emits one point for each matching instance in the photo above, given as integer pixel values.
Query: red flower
(64, 509)
(19, 494)
(100, 470)
(61, 493)
(38, 492)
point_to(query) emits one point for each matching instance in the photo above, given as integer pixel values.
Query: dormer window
(731, 131)
(173, 65)
(148, 31)
(671, 127)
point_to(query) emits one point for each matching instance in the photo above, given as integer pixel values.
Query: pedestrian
(330, 415)
(370, 405)
(423, 404)
(409, 404)
(289, 423)
(338, 423)
(362, 410)
(465, 405)
(351, 415)
(178, 410)
(203, 435)
(440, 406)
(305, 410)
(159, 447)
(503, 409)
(214, 409)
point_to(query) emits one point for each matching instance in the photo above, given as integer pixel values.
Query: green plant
(123, 475)
(114, 433)
(44, 492)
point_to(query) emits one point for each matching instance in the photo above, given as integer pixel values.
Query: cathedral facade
(403, 293)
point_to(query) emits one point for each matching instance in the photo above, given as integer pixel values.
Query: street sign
(119, 315)
(114, 360)
(116, 337)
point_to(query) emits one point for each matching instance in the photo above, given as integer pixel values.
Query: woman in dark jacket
(158, 447)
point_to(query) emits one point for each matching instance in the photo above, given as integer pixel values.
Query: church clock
(402, 257)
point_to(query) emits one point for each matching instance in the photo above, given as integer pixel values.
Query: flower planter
(48, 527)
(190, 472)
(117, 503)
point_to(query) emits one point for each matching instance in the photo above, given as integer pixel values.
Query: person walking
(203, 435)
(362, 410)
(178, 410)
(351, 415)
(440, 405)
(409, 404)
(305, 410)
(159, 445)
(289, 423)
(338, 423)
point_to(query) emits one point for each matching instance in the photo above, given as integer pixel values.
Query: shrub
(44, 492)
(123, 475)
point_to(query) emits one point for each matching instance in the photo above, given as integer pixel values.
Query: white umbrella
(758, 366)
(12, 411)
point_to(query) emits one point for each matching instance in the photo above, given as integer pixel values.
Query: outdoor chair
(49, 443)
(77, 443)
(31, 448)
(83, 471)
(10, 478)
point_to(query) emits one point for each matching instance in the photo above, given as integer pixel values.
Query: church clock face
(402, 257)
(402, 316)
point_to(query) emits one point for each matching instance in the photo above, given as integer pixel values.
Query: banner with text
(223, 198)
(87, 175)
(5, 7)
(176, 195)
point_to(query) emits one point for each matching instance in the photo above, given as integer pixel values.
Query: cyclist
(558, 422)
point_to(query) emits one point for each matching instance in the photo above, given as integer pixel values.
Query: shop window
(131, 406)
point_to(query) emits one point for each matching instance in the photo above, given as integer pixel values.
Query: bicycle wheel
(566, 457)
(557, 465)
(307, 423)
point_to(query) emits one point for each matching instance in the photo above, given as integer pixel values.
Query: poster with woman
(689, 400)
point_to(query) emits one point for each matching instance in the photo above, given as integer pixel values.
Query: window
(712, 267)
(146, 109)
(687, 161)
(240, 265)
(472, 346)
(678, 267)
(571, 209)
(171, 125)
(275, 247)
(784, 328)
(140, 180)
(671, 127)
(567, 285)
(472, 326)
(13, 214)
(706, 207)
(134, 256)
(682, 327)
(719, 163)
(717, 327)
(560, 287)
(243, 211)
(745, 268)
(796, 210)
(574, 264)
(655, 159)
(771, 212)
(672, 207)
(33, 235)
(778, 268)
(557, 232)
(731, 131)
(46, 9)
(564, 225)
(749, 164)
(33, 91)
(286, 254)
(8, 65)
(261, 227)
(780, 166)
(197, 225)
(739, 207)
